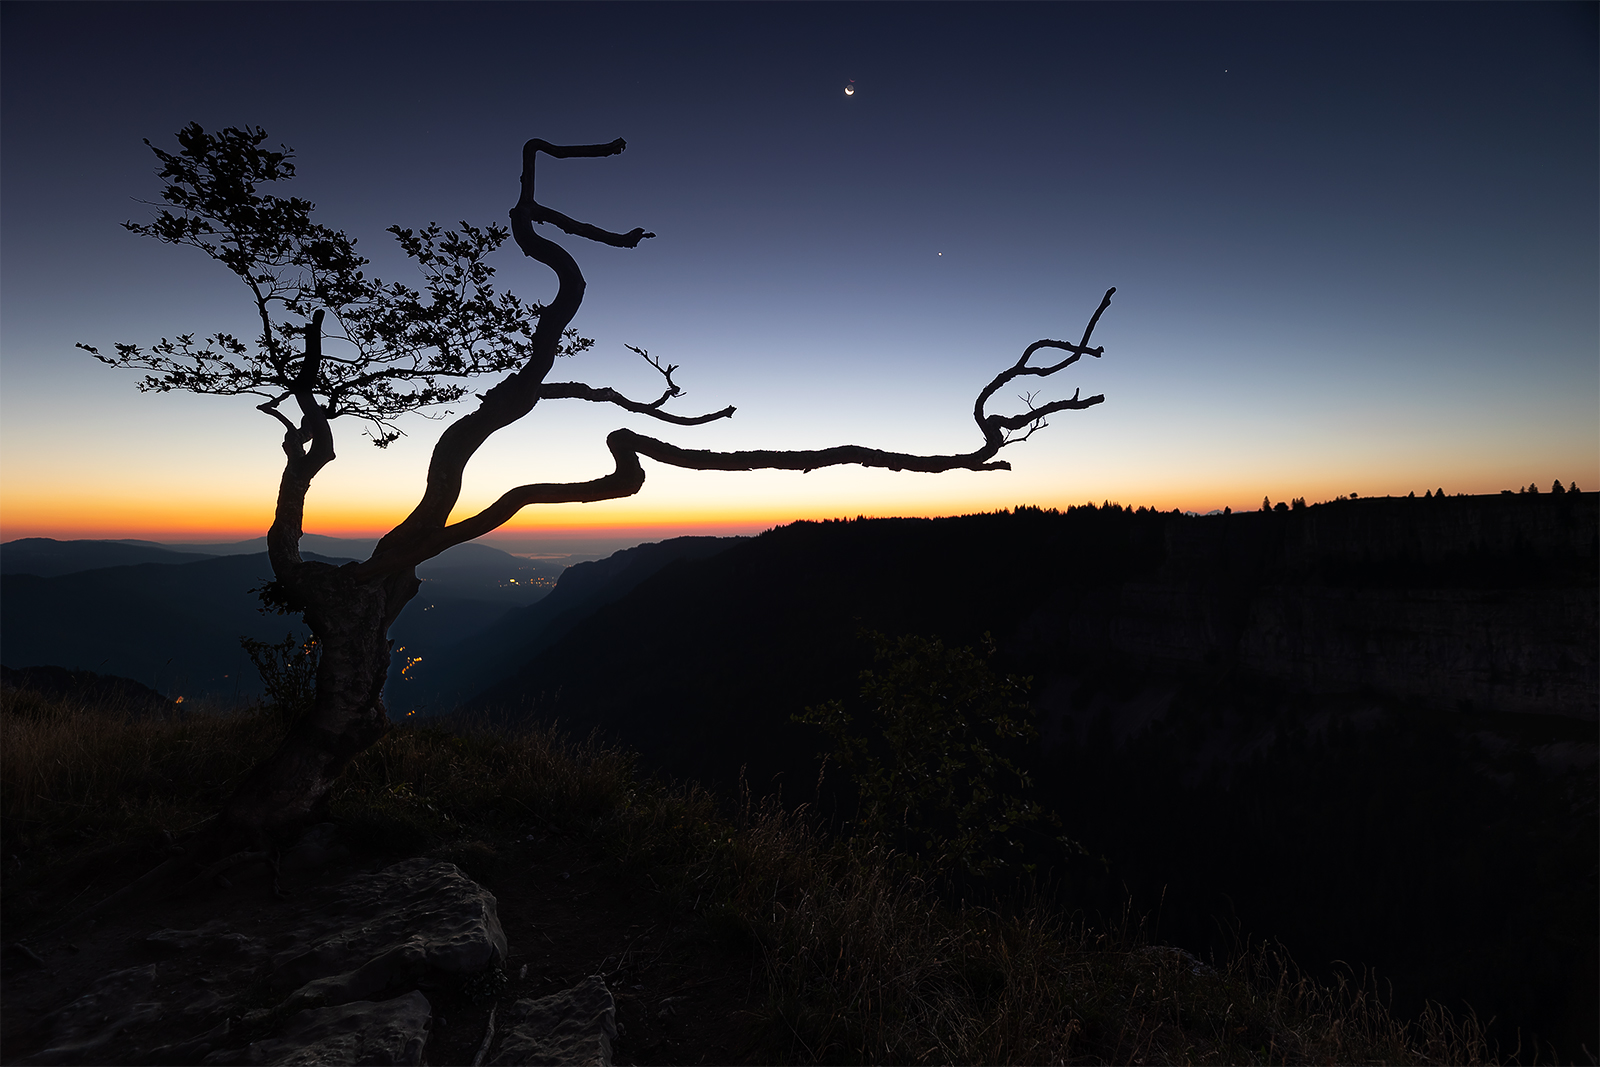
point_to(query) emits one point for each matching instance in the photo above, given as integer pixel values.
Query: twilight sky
(1355, 246)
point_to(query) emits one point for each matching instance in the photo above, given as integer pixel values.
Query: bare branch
(607, 395)
(804, 460)
(666, 372)
(628, 478)
(537, 212)
(571, 151)
(1072, 403)
(580, 391)
(992, 425)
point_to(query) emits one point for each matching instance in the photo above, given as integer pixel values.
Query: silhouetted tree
(403, 350)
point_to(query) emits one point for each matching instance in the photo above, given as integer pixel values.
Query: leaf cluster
(926, 751)
(393, 348)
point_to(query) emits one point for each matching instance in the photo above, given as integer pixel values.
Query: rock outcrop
(336, 976)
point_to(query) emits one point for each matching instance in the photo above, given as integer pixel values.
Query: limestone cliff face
(1487, 602)
(1514, 650)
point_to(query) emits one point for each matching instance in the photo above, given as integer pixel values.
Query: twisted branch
(627, 447)
(537, 212)
(514, 397)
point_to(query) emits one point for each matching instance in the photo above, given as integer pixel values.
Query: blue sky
(1355, 246)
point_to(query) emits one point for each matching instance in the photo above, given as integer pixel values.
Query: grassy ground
(858, 959)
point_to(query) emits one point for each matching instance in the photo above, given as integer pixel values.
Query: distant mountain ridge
(172, 627)
(353, 547)
(172, 620)
(47, 557)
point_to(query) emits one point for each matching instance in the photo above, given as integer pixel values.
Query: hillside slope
(1474, 602)
(463, 666)
(1366, 728)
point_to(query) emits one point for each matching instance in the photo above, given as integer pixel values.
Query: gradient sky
(1355, 246)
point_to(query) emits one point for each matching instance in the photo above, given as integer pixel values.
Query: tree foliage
(395, 348)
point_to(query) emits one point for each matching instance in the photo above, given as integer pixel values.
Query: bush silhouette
(925, 753)
(288, 669)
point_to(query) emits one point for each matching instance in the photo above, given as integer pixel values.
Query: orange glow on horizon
(67, 516)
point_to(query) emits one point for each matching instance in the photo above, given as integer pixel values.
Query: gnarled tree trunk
(350, 617)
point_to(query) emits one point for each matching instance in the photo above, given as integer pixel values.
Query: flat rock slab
(575, 1026)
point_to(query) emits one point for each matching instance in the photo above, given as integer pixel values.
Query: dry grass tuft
(866, 965)
(864, 962)
(72, 773)
(492, 781)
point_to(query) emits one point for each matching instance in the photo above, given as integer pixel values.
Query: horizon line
(642, 531)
